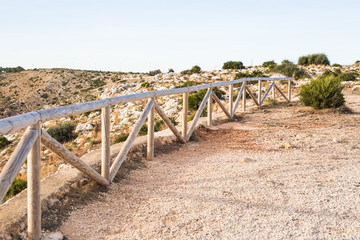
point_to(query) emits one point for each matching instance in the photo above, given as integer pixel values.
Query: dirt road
(277, 173)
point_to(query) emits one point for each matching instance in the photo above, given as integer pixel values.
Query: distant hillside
(30, 90)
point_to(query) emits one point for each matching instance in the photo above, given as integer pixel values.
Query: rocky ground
(276, 173)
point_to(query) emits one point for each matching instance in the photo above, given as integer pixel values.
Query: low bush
(63, 132)
(233, 65)
(195, 99)
(323, 93)
(4, 142)
(121, 138)
(317, 59)
(145, 85)
(153, 73)
(194, 69)
(347, 77)
(171, 70)
(187, 84)
(270, 64)
(16, 187)
(290, 69)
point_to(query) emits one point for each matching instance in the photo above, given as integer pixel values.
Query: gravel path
(279, 173)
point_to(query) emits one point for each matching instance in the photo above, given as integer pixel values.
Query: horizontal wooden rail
(16, 160)
(18, 122)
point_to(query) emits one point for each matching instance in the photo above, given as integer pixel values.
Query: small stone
(83, 182)
(247, 160)
(335, 140)
(54, 236)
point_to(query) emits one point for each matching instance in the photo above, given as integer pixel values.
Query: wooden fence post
(33, 175)
(185, 113)
(244, 99)
(105, 142)
(259, 95)
(289, 90)
(231, 99)
(209, 110)
(273, 91)
(150, 135)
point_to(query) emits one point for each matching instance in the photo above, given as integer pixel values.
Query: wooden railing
(29, 145)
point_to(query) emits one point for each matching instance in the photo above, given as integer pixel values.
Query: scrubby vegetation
(289, 69)
(187, 84)
(195, 99)
(121, 138)
(11, 69)
(194, 69)
(16, 187)
(348, 76)
(63, 132)
(323, 93)
(255, 73)
(270, 64)
(233, 65)
(317, 59)
(154, 72)
(4, 142)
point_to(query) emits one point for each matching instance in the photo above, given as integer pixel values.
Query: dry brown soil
(285, 172)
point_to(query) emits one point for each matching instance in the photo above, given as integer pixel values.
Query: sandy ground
(279, 173)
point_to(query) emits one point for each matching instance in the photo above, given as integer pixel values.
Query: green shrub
(187, 84)
(317, 59)
(290, 69)
(185, 72)
(145, 85)
(121, 138)
(270, 64)
(336, 65)
(4, 142)
(357, 62)
(63, 132)
(159, 125)
(194, 69)
(16, 187)
(143, 130)
(347, 77)
(233, 65)
(323, 93)
(153, 73)
(196, 98)
(171, 70)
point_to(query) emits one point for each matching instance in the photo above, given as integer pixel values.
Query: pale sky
(147, 35)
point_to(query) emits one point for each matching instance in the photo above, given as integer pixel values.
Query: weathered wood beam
(169, 123)
(105, 143)
(259, 95)
(18, 122)
(185, 114)
(17, 159)
(244, 99)
(209, 110)
(289, 90)
(231, 91)
(33, 186)
(238, 98)
(130, 140)
(198, 114)
(71, 158)
(251, 95)
(267, 93)
(281, 92)
(150, 133)
(218, 101)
